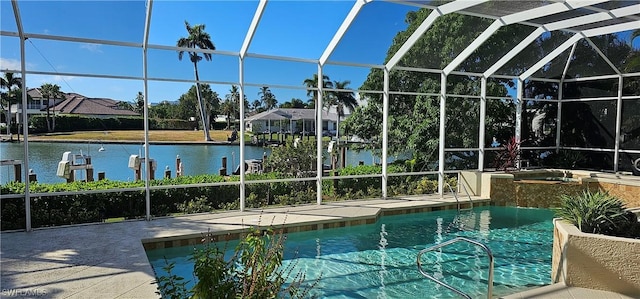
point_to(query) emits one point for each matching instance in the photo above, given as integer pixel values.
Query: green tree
(165, 110)
(138, 103)
(312, 93)
(228, 109)
(12, 95)
(267, 98)
(188, 102)
(342, 99)
(294, 103)
(48, 92)
(414, 119)
(198, 38)
(256, 105)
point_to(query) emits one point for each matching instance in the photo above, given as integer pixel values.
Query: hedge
(83, 207)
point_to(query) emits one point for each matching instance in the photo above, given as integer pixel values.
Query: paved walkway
(109, 260)
(561, 291)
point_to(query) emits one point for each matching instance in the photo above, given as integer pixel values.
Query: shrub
(198, 205)
(598, 212)
(86, 207)
(253, 271)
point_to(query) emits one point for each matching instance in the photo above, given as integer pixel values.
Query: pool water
(379, 260)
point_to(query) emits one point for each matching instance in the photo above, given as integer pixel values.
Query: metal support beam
(559, 116)
(439, 11)
(385, 129)
(603, 56)
(145, 111)
(443, 118)
(257, 16)
(243, 195)
(483, 114)
(557, 51)
(519, 100)
(252, 28)
(353, 13)
(319, 136)
(560, 96)
(616, 153)
(25, 119)
(514, 18)
(577, 21)
(587, 33)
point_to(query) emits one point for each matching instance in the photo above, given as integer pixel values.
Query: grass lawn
(135, 135)
(138, 135)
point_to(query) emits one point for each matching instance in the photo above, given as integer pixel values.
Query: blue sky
(299, 29)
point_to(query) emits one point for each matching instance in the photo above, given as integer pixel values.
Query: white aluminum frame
(526, 17)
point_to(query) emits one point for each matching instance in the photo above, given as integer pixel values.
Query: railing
(467, 193)
(455, 195)
(447, 243)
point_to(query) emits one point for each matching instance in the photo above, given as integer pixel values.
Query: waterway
(114, 159)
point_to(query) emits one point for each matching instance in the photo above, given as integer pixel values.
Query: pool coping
(280, 221)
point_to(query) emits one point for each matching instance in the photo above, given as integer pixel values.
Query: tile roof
(78, 104)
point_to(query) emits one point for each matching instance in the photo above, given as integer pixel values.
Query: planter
(595, 261)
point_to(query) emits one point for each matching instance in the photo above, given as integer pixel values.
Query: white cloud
(9, 64)
(91, 47)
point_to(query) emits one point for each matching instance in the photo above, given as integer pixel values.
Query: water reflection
(113, 158)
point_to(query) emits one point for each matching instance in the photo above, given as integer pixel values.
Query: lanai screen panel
(300, 29)
(370, 36)
(85, 19)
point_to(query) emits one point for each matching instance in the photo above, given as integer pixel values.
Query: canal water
(113, 160)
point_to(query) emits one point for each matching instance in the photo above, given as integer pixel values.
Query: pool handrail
(455, 195)
(449, 242)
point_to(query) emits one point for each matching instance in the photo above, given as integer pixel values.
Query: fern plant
(598, 212)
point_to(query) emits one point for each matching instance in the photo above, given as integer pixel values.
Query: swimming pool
(379, 260)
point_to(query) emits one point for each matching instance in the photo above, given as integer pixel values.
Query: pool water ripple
(379, 260)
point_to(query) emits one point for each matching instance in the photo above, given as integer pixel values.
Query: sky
(300, 29)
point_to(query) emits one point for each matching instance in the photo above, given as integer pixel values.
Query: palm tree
(312, 85)
(197, 38)
(233, 97)
(342, 99)
(267, 98)
(228, 109)
(49, 91)
(256, 105)
(138, 103)
(8, 82)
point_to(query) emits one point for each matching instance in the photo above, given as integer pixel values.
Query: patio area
(109, 260)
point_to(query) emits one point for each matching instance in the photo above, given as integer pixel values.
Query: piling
(32, 176)
(152, 169)
(167, 172)
(17, 170)
(360, 162)
(89, 169)
(101, 175)
(264, 162)
(178, 166)
(223, 169)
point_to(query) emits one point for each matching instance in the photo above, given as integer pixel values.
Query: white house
(290, 120)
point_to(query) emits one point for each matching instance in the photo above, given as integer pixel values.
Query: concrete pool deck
(109, 260)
